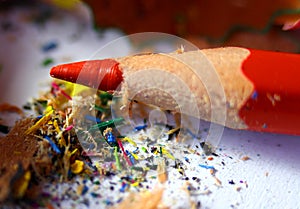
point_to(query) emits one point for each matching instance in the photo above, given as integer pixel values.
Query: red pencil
(262, 88)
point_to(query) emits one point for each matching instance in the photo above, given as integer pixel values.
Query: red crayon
(262, 87)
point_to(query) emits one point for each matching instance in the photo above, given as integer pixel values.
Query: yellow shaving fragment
(165, 152)
(135, 184)
(77, 167)
(48, 109)
(74, 151)
(173, 130)
(56, 126)
(155, 152)
(62, 141)
(74, 89)
(21, 185)
(130, 141)
(134, 156)
(40, 123)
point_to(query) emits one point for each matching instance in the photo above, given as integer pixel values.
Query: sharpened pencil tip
(100, 74)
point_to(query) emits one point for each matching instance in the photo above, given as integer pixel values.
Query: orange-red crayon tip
(104, 74)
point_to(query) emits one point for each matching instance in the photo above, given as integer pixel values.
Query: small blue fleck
(131, 158)
(53, 145)
(39, 117)
(122, 189)
(254, 95)
(110, 138)
(84, 190)
(141, 127)
(49, 46)
(108, 202)
(206, 166)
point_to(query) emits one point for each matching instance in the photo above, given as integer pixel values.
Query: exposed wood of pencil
(150, 79)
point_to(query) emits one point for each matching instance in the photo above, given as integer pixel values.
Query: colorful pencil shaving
(261, 87)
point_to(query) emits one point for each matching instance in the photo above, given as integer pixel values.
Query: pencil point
(100, 74)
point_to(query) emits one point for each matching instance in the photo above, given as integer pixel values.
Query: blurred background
(257, 24)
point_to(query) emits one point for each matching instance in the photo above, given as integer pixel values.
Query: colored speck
(84, 190)
(144, 149)
(212, 171)
(254, 95)
(245, 158)
(131, 158)
(141, 127)
(26, 106)
(69, 128)
(210, 158)
(119, 200)
(214, 154)
(49, 46)
(53, 145)
(39, 117)
(123, 187)
(231, 182)
(108, 202)
(95, 195)
(77, 166)
(97, 182)
(206, 166)
(47, 61)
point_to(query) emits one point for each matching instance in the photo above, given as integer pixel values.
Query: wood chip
(245, 158)
(16, 152)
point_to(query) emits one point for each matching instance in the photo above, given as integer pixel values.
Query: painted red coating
(100, 74)
(275, 103)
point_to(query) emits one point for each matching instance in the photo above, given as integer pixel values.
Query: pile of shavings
(79, 157)
(58, 155)
(42, 148)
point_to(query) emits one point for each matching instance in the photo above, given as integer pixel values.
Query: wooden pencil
(261, 88)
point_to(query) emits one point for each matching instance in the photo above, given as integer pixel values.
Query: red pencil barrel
(275, 103)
